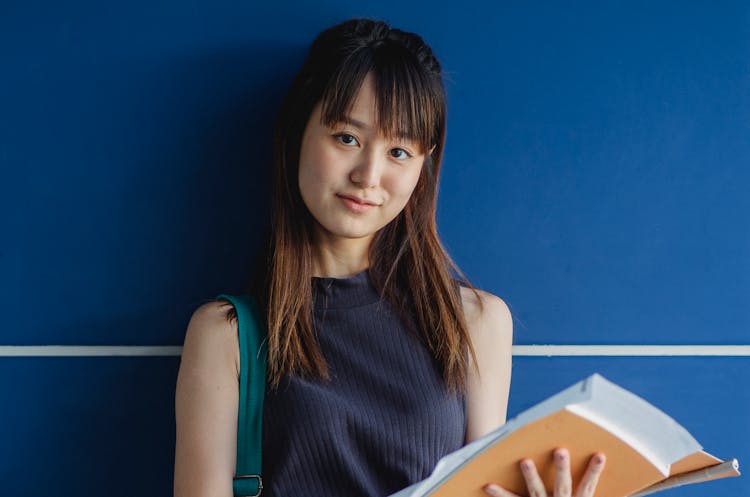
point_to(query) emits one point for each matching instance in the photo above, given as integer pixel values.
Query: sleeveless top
(383, 420)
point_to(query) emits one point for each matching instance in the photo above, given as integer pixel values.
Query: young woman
(382, 358)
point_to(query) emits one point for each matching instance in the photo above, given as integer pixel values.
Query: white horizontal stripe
(88, 350)
(631, 350)
(518, 350)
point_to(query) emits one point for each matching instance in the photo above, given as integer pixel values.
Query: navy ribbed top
(383, 420)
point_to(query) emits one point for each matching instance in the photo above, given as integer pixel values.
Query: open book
(646, 450)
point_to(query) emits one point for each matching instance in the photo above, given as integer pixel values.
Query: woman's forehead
(396, 111)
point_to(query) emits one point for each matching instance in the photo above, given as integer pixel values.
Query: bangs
(409, 104)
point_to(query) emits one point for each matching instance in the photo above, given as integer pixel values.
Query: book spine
(722, 470)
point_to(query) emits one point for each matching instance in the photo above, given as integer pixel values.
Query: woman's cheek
(406, 188)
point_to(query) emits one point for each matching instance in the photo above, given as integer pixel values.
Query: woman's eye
(345, 138)
(400, 153)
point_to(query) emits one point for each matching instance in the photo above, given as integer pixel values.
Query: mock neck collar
(340, 293)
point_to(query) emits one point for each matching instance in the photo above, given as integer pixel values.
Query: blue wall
(595, 177)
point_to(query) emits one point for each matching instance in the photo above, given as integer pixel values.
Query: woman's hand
(563, 480)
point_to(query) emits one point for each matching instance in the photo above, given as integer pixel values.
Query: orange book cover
(644, 447)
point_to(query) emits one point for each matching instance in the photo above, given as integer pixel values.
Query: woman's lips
(355, 205)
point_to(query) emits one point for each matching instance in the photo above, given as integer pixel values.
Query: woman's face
(352, 179)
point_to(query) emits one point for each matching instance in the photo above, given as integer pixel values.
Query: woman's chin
(343, 232)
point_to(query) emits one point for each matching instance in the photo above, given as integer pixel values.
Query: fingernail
(599, 459)
(526, 464)
(560, 455)
(492, 490)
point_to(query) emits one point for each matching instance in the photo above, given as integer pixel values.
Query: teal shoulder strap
(247, 480)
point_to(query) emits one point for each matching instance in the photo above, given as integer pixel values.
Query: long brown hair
(408, 264)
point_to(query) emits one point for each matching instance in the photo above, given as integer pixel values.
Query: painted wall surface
(596, 177)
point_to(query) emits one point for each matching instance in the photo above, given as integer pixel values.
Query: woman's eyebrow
(359, 124)
(355, 123)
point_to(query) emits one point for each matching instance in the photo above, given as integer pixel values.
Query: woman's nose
(367, 172)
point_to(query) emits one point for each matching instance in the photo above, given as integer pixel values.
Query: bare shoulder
(206, 404)
(485, 314)
(211, 339)
(490, 328)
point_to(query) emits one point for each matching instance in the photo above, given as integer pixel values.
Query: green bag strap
(247, 480)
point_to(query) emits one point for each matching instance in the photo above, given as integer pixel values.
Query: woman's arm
(491, 332)
(206, 403)
(487, 398)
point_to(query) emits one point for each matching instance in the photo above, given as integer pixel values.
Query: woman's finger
(587, 487)
(563, 484)
(496, 490)
(534, 483)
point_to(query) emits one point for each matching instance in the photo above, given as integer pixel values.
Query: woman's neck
(340, 257)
